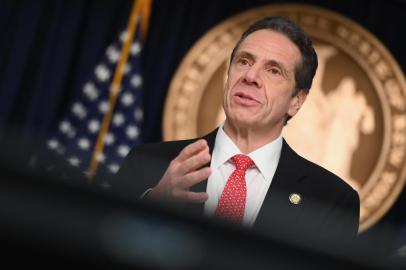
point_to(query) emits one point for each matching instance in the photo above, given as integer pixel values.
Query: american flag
(78, 130)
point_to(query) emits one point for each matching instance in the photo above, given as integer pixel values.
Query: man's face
(261, 81)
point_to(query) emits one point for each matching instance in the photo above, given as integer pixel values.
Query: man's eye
(243, 61)
(275, 71)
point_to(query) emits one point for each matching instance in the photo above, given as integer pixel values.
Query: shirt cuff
(143, 195)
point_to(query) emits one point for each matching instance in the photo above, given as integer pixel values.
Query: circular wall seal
(353, 121)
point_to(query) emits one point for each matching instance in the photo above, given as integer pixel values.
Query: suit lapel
(277, 210)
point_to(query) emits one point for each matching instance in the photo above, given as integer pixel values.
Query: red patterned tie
(231, 205)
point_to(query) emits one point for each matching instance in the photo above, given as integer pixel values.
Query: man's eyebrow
(245, 54)
(268, 63)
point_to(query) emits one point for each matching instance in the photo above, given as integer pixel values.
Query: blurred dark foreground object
(47, 221)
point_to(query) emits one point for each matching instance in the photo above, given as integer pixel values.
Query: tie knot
(242, 162)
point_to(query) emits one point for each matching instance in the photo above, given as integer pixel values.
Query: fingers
(195, 177)
(195, 162)
(195, 197)
(185, 171)
(182, 193)
(192, 149)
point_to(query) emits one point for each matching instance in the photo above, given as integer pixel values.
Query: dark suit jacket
(329, 208)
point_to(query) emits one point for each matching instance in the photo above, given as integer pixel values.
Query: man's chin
(241, 122)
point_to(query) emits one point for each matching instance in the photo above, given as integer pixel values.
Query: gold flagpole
(146, 12)
(139, 6)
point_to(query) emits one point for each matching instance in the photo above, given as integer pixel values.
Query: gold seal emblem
(295, 198)
(353, 122)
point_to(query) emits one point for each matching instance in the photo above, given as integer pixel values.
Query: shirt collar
(263, 157)
(224, 148)
(266, 158)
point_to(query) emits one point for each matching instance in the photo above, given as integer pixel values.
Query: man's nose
(253, 76)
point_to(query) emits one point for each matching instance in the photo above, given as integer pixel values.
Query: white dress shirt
(258, 177)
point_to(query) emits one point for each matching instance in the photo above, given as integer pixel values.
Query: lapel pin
(295, 198)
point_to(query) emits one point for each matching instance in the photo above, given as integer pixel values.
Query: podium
(52, 223)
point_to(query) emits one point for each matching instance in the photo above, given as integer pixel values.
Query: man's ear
(297, 101)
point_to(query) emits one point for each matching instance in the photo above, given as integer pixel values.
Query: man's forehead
(271, 44)
(264, 36)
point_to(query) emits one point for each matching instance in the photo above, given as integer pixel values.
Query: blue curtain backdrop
(48, 48)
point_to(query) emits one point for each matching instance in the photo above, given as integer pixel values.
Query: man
(277, 192)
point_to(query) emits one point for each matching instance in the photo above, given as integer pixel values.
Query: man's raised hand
(185, 171)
